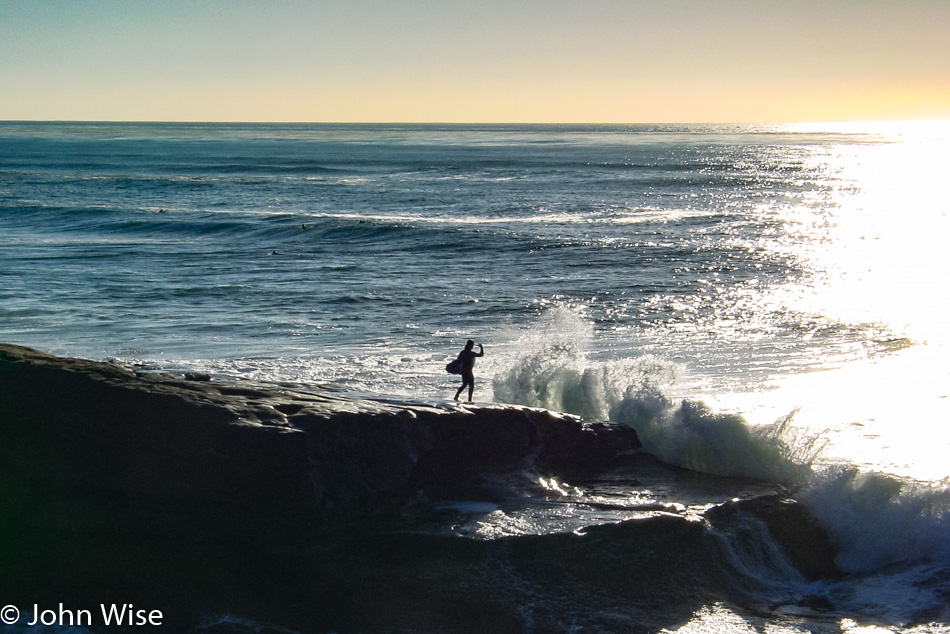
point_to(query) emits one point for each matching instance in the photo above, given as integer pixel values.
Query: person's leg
(468, 380)
(462, 386)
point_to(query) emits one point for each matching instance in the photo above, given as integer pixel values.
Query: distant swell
(255, 228)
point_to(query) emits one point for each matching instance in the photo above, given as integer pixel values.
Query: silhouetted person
(467, 358)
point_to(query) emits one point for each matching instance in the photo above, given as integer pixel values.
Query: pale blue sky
(495, 60)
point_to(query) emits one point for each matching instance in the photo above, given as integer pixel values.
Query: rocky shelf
(299, 506)
(78, 424)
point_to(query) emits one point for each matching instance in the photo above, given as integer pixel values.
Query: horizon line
(485, 123)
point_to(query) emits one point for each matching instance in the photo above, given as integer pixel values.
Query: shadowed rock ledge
(73, 424)
(294, 506)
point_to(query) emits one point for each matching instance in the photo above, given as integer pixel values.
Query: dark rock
(206, 496)
(634, 577)
(805, 542)
(295, 506)
(76, 424)
(814, 602)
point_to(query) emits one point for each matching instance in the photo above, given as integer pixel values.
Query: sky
(524, 61)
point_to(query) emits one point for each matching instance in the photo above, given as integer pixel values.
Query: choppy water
(788, 281)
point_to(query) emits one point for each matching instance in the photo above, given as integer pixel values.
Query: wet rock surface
(77, 423)
(304, 509)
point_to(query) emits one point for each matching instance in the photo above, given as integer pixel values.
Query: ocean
(762, 303)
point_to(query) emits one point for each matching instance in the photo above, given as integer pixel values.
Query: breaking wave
(554, 371)
(891, 534)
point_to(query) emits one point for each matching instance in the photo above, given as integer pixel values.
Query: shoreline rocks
(72, 423)
(298, 507)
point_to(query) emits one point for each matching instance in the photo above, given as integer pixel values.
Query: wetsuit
(467, 358)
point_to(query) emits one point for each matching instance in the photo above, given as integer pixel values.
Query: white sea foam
(886, 529)
(879, 520)
(554, 370)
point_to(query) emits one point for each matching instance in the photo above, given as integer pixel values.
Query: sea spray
(891, 534)
(691, 435)
(554, 370)
(879, 520)
(559, 378)
(892, 537)
(550, 367)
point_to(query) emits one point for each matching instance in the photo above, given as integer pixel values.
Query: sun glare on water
(877, 249)
(880, 251)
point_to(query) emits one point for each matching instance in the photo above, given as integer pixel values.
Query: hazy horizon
(418, 61)
(851, 124)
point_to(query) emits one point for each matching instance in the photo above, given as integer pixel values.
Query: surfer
(466, 360)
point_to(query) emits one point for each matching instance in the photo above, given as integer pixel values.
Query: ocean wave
(254, 165)
(880, 519)
(553, 371)
(259, 229)
(880, 524)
